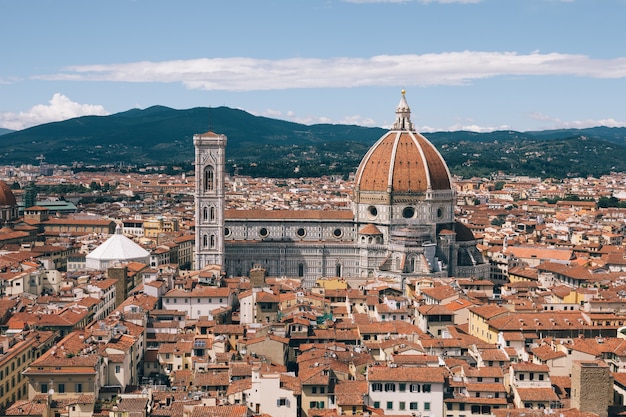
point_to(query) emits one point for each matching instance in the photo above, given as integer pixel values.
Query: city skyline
(465, 64)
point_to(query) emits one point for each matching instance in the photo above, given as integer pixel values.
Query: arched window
(205, 213)
(300, 270)
(338, 270)
(212, 241)
(205, 241)
(212, 214)
(209, 178)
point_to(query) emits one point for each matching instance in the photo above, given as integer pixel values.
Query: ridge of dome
(403, 161)
(7, 198)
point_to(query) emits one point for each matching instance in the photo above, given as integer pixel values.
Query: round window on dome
(263, 232)
(337, 233)
(408, 212)
(301, 232)
(373, 211)
(226, 231)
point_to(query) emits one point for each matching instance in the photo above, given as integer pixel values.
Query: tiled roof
(421, 360)
(238, 369)
(350, 393)
(485, 387)
(478, 400)
(220, 411)
(405, 374)
(545, 353)
(239, 386)
(488, 311)
(434, 310)
(27, 408)
(291, 383)
(540, 253)
(537, 394)
(211, 379)
(182, 377)
(132, 404)
(530, 367)
(405, 162)
(485, 372)
(370, 229)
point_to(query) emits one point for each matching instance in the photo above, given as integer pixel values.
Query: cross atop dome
(403, 115)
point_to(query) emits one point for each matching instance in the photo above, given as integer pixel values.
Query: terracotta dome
(7, 198)
(463, 233)
(402, 161)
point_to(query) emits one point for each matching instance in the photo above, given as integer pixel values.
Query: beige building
(73, 226)
(66, 370)
(530, 386)
(157, 226)
(17, 352)
(175, 356)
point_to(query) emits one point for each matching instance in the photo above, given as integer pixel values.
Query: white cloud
(357, 120)
(470, 127)
(247, 74)
(291, 116)
(556, 123)
(413, 1)
(59, 108)
(271, 113)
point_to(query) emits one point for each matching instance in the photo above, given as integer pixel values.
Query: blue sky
(475, 65)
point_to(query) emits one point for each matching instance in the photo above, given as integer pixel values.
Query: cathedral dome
(463, 233)
(7, 198)
(402, 162)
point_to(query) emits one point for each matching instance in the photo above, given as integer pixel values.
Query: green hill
(262, 146)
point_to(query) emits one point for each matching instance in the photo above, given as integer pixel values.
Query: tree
(571, 197)
(604, 202)
(498, 221)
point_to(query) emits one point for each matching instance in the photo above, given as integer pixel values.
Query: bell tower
(210, 150)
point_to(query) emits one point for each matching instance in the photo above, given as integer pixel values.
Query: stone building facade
(401, 224)
(592, 387)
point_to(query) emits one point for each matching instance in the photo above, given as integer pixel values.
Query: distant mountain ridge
(270, 147)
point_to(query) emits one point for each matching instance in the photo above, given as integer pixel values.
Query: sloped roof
(118, 247)
(402, 161)
(7, 198)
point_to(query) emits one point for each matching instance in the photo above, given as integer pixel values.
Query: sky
(479, 65)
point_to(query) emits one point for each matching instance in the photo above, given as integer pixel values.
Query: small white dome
(118, 248)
